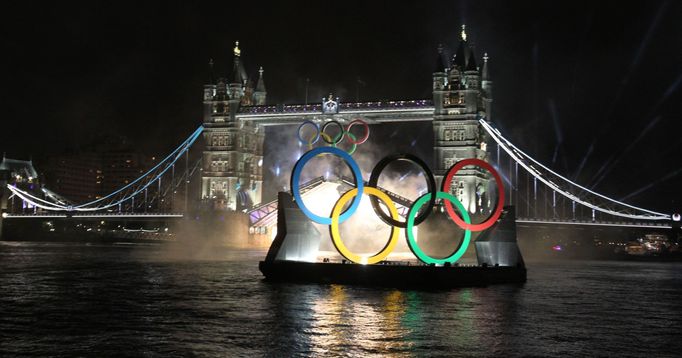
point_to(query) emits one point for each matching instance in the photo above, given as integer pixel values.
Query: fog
(199, 236)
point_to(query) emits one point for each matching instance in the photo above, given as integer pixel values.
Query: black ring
(430, 182)
(341, 134)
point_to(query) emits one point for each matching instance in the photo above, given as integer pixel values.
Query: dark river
(76, 300)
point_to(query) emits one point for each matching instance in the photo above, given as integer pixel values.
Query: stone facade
(232, 160)
(462, 95)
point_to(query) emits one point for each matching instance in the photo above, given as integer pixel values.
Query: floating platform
(419, 276)
(292, 257)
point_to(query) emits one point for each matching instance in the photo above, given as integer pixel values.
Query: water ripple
(73, 300)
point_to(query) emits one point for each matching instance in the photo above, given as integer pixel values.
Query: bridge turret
(239, 78)
(210, 92)
(260, 93)
(457, 107)
(247, 98)
(440, 78)
(464, 77)
(4, 179)
(486, 87)
(211, 72)
(232, 159)
(463, 58)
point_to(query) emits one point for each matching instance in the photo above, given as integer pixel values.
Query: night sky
(570, 78)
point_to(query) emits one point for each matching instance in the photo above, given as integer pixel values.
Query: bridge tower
(462, 95)
(232, 159)
(4, 179)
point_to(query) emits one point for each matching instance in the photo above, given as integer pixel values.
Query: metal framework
(128, 192)
(575, 192)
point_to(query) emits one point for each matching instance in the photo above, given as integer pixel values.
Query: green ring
(412, 243)
(338, 137)
(353, 148)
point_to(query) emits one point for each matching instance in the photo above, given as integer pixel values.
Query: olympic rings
(343, 132)
(296, 178)
(338, 137)
(374, 181)
(500, 194)
(329, 139)
(363, 138)
(414, 217)
(312, 140)
(336, 236)
(412, 242)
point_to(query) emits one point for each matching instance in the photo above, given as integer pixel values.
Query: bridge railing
(344, 106)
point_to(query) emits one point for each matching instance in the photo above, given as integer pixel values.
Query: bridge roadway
(95, 216)
(266, 214)
(371, 112)
(533, 222)
(522, 222)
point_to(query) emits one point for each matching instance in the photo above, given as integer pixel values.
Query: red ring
(362, 139)
(500, 194)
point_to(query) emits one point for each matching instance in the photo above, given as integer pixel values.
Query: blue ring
(296, 177)
(317, 136)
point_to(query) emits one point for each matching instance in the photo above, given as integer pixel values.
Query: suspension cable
(515, 153)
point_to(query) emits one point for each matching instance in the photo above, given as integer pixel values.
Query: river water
(114, 300)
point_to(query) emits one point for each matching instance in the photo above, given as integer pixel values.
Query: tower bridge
(235, 114)
(232, 132)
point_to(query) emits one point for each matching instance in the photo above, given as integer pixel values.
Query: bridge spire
(484, 70)
(486, 87)
(237, 51)
(239, 73)
(464, 57)
(211, 73)
(260, 86)
(442, 64)
(260, 93)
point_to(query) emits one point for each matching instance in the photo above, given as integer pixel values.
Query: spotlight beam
(607, 122)
(632, 144)
(668, 92)
(651, 185)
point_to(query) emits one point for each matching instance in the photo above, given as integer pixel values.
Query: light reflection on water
(73, 300)
(370, 324)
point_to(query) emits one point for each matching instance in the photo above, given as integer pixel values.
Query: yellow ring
(336, 237)
(326, 136)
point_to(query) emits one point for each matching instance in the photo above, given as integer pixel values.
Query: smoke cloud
(364, 232)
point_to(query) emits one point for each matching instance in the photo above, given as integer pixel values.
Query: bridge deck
(645, 225)
(372, 112)
(8, 216)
